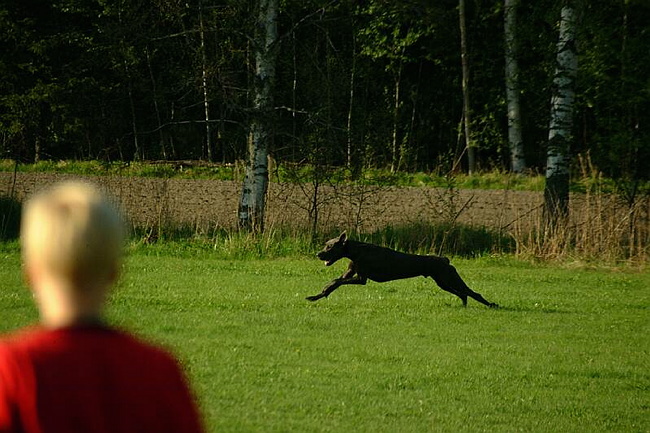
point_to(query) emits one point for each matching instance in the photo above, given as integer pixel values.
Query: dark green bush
(10, 211)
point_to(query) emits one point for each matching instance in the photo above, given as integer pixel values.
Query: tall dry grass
(601, 226)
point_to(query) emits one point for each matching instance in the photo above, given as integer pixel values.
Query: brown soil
(207, 204)
(601, 225)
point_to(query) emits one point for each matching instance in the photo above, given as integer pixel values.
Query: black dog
(383, 264)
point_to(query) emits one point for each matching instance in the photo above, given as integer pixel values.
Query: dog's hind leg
(450, 281)
(444, 286)
(478, 297)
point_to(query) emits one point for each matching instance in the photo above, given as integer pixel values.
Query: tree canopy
(372, 83)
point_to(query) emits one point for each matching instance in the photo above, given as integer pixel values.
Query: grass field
(568, 352)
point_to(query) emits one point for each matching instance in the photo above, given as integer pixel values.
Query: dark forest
(360, 83)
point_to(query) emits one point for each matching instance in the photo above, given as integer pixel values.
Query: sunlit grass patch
(567, 351)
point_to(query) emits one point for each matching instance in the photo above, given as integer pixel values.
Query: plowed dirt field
(205, 204)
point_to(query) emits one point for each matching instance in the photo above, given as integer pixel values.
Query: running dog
(380, 264)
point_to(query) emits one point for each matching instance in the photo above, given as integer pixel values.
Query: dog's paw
(313, 298)
(493, 305)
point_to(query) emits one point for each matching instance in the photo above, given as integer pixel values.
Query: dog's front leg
(335, 284)
(348, 277)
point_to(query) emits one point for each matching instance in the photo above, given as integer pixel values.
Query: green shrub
(441, 239)
(10, 211)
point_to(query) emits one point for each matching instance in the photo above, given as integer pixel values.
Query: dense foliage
(373, 83)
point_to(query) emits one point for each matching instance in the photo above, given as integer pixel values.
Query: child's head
(72, 233)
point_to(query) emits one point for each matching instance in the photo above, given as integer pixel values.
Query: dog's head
(334, 250)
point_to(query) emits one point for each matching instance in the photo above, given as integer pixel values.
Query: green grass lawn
(568, 352)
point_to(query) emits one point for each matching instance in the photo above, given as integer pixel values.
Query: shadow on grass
(531, 309)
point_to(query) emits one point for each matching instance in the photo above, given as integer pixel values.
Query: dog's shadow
(535, 308)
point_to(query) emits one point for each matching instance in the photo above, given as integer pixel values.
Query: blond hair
(73, 232)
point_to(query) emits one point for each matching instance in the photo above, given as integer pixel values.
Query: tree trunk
(154, 97)
(517, 160)
(351, 104)
(204, 84)
(294, 88)
(394, 164)
(252, 203)
(37, 148)
(556, 191)
(134, 124)
(469, 142)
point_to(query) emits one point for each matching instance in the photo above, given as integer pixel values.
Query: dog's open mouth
(328, 262)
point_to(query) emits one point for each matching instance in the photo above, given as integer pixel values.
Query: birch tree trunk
(556, 191)
(394, 164)
(204, 85)
(351, 104)
(469, 142)
(517, 160)
(253, 197)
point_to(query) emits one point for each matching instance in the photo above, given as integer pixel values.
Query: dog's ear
(343, 237)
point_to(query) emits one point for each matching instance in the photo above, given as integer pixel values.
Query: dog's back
(384, 264)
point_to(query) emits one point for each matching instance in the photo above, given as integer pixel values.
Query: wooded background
(359, 83)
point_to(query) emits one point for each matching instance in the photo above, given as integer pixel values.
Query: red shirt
(91, 379)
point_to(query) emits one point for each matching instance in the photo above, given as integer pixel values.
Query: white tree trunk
(556, 191)
(204, 84)
(253, 198)
(517, 160)
(394, 164)
(351, 104)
